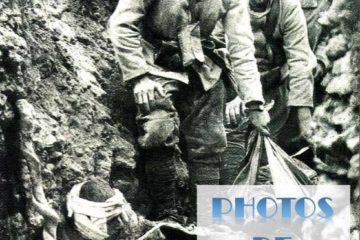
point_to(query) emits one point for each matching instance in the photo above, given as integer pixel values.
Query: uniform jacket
(317, 37)
(291, 31)
(133, 18)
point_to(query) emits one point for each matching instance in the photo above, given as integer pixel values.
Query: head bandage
(90, 217)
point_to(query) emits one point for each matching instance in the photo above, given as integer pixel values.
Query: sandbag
(284, 170)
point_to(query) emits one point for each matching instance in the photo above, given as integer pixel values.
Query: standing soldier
(167, 54)
(318, 38)
(285, 62)
(313, 9)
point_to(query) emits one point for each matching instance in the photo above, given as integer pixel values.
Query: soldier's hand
(233, 111)
(260, 120)
(126, 216)
(45, 210)
(319, 71)
(145, 91)
(304, 117)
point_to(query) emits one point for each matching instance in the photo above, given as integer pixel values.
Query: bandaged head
(90, 217)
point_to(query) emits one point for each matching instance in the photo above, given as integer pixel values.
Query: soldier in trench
(95, 210)
(170, 58)
(285, 61)
(319, 35)
(98, 212)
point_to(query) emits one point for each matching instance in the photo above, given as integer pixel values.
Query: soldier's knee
(159, 128)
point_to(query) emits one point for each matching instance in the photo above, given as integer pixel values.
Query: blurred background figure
(319, 35)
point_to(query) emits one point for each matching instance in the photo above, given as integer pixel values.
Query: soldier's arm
(51, 219)
(323, 63)
(300, 58)
(241, 48)
(320, 51)
(301, 61)
(124, 32)
(242, 55)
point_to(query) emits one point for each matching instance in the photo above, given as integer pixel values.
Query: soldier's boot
(205, 171)
(160, 174)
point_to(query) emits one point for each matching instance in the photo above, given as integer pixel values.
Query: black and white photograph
(165, 119)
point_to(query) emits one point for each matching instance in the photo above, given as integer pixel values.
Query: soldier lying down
(98, 212)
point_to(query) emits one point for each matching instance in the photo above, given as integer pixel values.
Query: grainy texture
(336, 120)
(55, 54)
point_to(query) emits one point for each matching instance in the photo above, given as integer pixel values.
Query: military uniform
(192, 111)
(318, 37)
(285, 61)
(312, 11)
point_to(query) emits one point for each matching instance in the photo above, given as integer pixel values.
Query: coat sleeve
(124, 32)
(241, 49)
(300, 58)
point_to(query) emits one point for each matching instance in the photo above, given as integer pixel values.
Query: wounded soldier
(96, 212)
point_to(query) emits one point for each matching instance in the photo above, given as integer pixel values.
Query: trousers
(187, 123)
